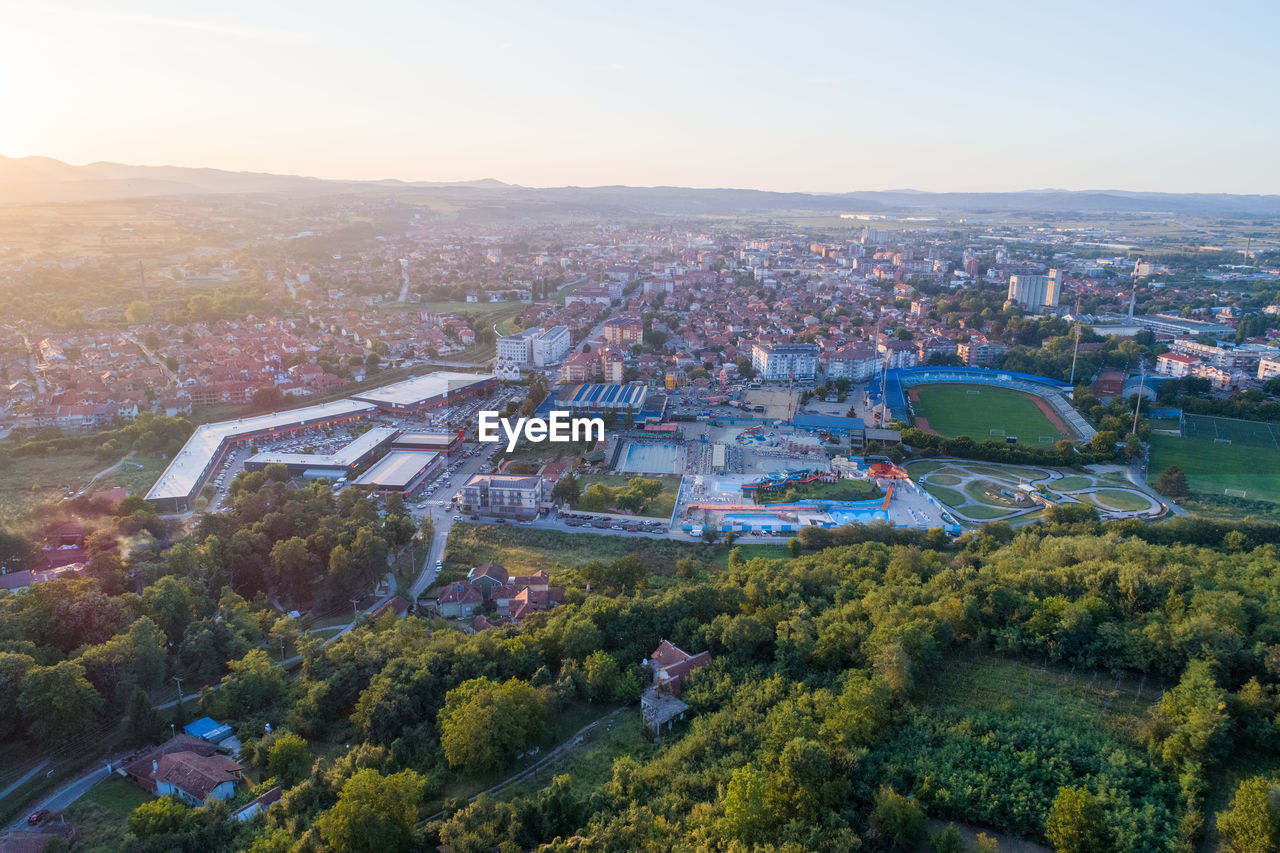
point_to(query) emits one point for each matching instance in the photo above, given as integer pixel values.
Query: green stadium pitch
(984, 413)
(1216, 467)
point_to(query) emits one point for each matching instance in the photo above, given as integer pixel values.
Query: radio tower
(142, 283)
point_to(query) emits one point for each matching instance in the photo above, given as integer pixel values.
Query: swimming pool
(861, 516)
(656, 458)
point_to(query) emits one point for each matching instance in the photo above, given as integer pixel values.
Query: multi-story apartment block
(624, 331)
(551, 346)
(784, 361)
(1036, 293)
(502, 494)
(979, 351)
(855, 362)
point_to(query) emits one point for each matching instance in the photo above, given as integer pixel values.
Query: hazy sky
(788, 96)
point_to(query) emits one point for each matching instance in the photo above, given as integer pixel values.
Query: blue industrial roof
(831, 422)
(207, 729)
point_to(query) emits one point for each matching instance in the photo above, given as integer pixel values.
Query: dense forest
(874, 680)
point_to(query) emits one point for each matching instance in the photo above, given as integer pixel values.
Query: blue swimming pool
(656, 458)
(861, 516)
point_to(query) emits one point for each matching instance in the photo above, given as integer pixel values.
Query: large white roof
(180, 478)
(421, 388)
(343, 457)
(397, 469)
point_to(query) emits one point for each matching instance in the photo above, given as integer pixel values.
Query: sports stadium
(982, 404)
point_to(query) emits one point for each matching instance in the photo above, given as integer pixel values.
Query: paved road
(24, 778)
(69, 792)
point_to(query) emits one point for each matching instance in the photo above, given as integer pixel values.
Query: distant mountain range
(28, 180)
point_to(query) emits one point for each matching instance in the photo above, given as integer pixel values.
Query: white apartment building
(784, 361)
(551, 347)
(855, 362)
(1036, 292)
(502, 494)
(535, 346)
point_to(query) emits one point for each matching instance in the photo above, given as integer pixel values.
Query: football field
(983, 412)
(1213, 467)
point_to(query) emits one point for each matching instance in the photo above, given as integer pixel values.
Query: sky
(798, 96)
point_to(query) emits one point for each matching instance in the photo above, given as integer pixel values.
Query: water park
(781, 502)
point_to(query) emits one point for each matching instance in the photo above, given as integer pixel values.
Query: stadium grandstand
(1055, 393)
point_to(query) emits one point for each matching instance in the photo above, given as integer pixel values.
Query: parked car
(34, 818)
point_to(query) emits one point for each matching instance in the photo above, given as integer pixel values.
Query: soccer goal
(999, 432)
(1222, 441)
(1048, 439)
(1235, 493)
(972, 391)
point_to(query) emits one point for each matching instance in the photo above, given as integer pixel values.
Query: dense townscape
(902, 532)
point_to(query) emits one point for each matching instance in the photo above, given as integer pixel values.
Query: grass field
(1121, 499)
(952, 410)
(1212, 468)
(950, 497)
(660, 507)
(1070, 484)
(1086, 700)
(28, 481)
(526, 550)
(842, 490)
(102, 815)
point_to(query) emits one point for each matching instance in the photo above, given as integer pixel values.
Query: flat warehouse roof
(180, 478)
(397, 469)
(421, 389)
(344, 457)
(606, 396)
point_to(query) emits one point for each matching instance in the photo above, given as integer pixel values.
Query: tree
(746, 817)
(1250, 823)
(484, 723)
(898, 819)
(268, 399)
(138, 313)
(144, 722)
(710, 535)
(58, 702)
(948, 840)
(1075, 823)
(277, 472)
(289, 758)
(1172, 483)
(161, 816)
(374, 813)
(566, 490)
(253, 684)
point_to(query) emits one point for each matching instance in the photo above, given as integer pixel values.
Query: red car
(35, 817)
